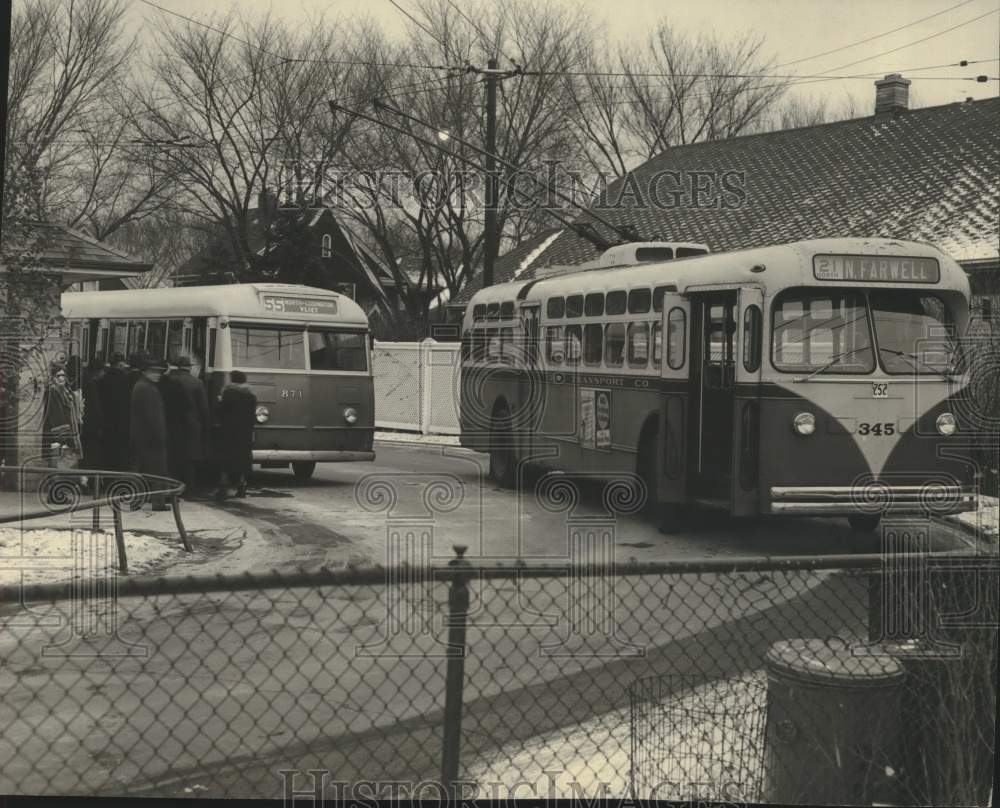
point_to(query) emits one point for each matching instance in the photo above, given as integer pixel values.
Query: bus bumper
(845, 500)
(318, 456)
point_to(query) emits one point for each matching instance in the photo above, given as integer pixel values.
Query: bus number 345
(886, 428)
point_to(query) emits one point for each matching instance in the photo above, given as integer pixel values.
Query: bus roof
(783, 266)
(236, 300)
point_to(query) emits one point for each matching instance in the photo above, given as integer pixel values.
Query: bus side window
(175, 339)
(574, 341)
(493, 345)
(593, 339)
(614, 344)
(638, 345)
(752, 322)
(211, 348)
(657, 343)
(507, 346)
(676, 338)
(554, 350)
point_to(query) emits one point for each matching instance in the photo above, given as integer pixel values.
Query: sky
(793, 30)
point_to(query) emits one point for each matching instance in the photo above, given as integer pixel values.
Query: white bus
(305, 351)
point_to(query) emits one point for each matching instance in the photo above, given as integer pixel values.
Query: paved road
(364, 512)
(237, 686)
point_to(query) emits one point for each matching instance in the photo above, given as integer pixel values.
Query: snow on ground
(704, 744)
(49, 555)
(414, 437)
(985, 519)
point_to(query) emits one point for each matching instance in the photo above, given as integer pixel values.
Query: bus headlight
(262, 414)
(946, 423)
(350, 415)
(804, 423)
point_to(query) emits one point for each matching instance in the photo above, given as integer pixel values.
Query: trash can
(832, 730)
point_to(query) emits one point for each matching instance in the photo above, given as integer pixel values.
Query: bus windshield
(824, 331)
(262, 347)
(914, 332)
(827, 331)
(337, 350)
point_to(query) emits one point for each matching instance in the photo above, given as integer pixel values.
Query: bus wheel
(503, 467)
(303, 469)
(864, 522)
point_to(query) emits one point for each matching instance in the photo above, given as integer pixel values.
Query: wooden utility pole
(490, 237)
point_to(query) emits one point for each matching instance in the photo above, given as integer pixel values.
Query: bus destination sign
(876, 269)
(298, 305)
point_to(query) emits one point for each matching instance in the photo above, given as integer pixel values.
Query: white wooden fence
(416, 386)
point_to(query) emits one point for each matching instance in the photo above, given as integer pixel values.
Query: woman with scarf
(61, 422)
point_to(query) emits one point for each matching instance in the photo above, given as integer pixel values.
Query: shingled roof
(79, 256)
(928, 174)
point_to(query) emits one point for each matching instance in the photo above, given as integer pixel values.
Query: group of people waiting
(146, 416)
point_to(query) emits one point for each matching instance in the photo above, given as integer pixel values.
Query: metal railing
(496, 680)
(61, 491)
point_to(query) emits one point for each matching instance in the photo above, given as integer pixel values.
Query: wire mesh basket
(697, 739)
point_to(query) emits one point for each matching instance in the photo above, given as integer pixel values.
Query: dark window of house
(639, 301)
(555, 308)
(574, 306)
(594, 304)
(616, 302)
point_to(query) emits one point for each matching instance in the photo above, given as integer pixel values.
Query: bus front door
(713, 384)
(672, 352)
(746, 404)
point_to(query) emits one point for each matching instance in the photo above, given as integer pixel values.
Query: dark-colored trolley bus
(305, 351)
(820, 377)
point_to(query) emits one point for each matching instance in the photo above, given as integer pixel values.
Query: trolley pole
(490, 246)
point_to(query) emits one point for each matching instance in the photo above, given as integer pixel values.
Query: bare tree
(426, 219)
(234, 105)
(634, 104)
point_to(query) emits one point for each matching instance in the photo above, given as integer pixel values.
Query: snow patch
(50, 555)
(531, 257)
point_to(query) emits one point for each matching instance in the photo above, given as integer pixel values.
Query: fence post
(458, 610)
(116, 515)
(426, 401)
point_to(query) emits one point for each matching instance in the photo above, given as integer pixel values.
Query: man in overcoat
(115, 391)
(237, 415)
(187, 421)
(148, 426)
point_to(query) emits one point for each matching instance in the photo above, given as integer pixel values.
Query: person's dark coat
(148, 429)
(115, 393)
(188, 423)
(237, 418)
(92, 430)
(61, 419)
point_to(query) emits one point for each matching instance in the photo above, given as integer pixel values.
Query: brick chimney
(892, 95)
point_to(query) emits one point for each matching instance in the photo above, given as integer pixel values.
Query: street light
(443, 135)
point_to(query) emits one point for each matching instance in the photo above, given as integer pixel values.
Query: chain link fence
(699, 680)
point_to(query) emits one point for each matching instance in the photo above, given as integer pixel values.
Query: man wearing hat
(148, 426)
(187, 421)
